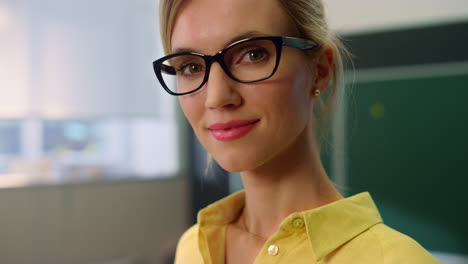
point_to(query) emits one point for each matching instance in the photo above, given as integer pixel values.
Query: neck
(292, 182)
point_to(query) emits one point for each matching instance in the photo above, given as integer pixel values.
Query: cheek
(193, 112)
(293, 96)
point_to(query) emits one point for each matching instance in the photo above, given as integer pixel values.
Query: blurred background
(98, 166)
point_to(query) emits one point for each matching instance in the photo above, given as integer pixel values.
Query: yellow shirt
(347, 231)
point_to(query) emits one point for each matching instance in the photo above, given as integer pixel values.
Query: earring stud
(317, 92)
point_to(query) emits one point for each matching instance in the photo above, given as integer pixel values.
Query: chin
(232, 165)
(235, 161)
(237, 156)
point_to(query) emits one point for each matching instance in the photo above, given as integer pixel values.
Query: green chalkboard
(407, 144)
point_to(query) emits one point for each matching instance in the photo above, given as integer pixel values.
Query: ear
(323, 70)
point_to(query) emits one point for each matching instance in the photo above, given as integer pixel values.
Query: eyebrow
(248, 34)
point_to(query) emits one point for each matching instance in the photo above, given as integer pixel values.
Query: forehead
(207, 26)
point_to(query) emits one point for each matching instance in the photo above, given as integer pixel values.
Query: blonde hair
(310, 20)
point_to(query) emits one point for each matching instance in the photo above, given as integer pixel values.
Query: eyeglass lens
(247, 61)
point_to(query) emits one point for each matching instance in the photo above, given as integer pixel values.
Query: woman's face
(244, 126)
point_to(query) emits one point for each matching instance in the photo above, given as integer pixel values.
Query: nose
(220, 89)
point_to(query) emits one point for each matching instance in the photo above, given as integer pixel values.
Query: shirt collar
(334, 224)
(328, 227)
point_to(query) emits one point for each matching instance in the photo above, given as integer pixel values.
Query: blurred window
(78, 98)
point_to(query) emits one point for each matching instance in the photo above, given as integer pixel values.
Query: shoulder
(189, 237)
(399, 248)
(187, 248)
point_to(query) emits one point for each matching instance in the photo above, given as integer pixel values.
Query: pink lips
(232, 130)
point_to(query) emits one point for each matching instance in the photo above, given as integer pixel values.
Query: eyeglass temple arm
(302, 44)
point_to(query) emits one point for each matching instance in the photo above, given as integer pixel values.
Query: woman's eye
(191, 69)
(254, 55)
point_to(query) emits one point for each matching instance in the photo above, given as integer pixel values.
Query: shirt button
(273, 250)
(298, 223)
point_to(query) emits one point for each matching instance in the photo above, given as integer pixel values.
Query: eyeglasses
(246, 61)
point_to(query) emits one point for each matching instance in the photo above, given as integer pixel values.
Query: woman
(255, 105)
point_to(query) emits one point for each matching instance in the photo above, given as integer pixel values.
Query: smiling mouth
(232, 130)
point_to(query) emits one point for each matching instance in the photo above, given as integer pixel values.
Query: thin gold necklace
(246, 230)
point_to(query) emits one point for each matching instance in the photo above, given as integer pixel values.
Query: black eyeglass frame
(279, 41)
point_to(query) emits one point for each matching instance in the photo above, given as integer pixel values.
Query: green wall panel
(408, 146)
